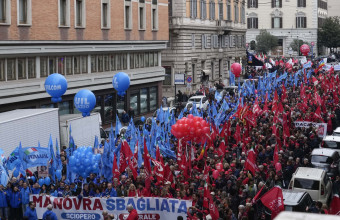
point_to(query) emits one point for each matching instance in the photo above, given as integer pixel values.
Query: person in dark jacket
(49, 214)
(15, 201)
(31, 213)
(125, 118)
(3, 203)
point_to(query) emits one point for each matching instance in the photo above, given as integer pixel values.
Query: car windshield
(306, 184)
(196, 100)
(321, 159)
(332, 144)
(336, 133)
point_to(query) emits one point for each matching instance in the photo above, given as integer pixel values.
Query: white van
(331, 142)
(336, 132)
(314, 181)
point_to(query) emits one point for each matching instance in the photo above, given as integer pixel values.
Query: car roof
(323, 151)
(292, 197)
(332, 138)
(337, 130)
(197, 97)
(308, 173)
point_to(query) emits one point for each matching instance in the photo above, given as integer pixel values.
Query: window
(11, 69)
(24, 12)
(5, 10)
(113, 62)
(156, 58)
(153, 98)
(301, 22)
(93, 63)
(142, 15)
(106, 63)
(229, 12)
(31, 68)
(301, 3)
(167, 78)
(64, 13)
(277, 22)
(141, 60)
(144, 101)
(220, 11)
(306, 184)
(212, 69)
(80, 13)
(252, 3)
(134, 103)
(252, 23)
(193, 8)
(61, 65)
(193, 69)
(84, 64)
(154, 15)
(106, 14)
(2, 70)
(100, 63)
(43, 67)
(212, 10)
(151, 59)
(276, 3)
(76, 65)
(146, 59)
(203, 8)
(243, 15)
(235, 13)
(21, 68)
(128, 15)
(69, 69)
(52, 64)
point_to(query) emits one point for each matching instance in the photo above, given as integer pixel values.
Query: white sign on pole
(337, 68)
(179, 79)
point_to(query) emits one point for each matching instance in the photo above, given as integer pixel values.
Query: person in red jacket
(133, 215)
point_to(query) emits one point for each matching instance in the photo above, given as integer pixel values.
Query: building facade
(88, 42)
(205, 38)
(333, 8)
(286, 19)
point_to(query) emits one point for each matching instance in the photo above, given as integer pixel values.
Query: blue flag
(13, 159)
(118, 126)
(34, 156)
(3, 176)
(232, 79)
(218, 96)
(57, 156)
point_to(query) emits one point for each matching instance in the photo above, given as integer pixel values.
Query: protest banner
(321, 128)
(148, 208)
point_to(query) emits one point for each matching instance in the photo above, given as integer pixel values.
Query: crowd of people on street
(234, 191)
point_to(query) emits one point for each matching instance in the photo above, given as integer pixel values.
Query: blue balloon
(85, 101)
(47, 181)
(121, 82)
(142, 119)
(41, 181)
(56, 86)
(16, 173)
(33, 179)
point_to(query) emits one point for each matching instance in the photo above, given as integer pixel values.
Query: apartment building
(87, 41)
(205, 38)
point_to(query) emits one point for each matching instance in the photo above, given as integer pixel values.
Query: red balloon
(236, 69)
(304, 49)
(190, 116)
(206, 130)
(219, 167)
(215, 174)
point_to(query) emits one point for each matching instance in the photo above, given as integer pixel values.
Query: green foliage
(328, 34)
(265, 42)
(296, 44)
(252, 45)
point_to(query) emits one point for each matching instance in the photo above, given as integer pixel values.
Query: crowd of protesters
(235, 187)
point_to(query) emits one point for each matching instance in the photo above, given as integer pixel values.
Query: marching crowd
(234, 191)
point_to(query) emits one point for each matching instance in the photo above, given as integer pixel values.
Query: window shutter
(280, 22)
(256, 4)
(272, 22)
(249, 3)
(296, 22)
(248, 23)
(256, 23)
(298, 3)
(273, 2)
(280, 4)
(305, 19)
(304, 3)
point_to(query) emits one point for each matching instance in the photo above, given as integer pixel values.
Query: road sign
(179, 79)
(189, 79)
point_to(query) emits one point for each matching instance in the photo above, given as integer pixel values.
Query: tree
(329, 33)
(296, 44)
(252, 45)
(265, 42)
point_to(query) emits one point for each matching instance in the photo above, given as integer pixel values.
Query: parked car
(296, 201)
(314, 181)
(331, 142)
(199, 101)
(336, 132)
(326, 159)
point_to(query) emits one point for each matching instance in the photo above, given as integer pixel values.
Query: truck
(83, 129)
(28, 126)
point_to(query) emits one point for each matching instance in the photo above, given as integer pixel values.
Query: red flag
(133, 170)
(126, 150)
(284, 93)
(334, 208)
(315, 81)
(250, 163)
(237, 134)
(159, 170)
(147, 161)
(257, 196)
(115, 171)
(206, 172)
(158, 154)
(134, 159)
(221, 149)
(257, 109)
(168, 175)
(273, 200)
(213, 210)
(206, 195)
(317, 113)
(179, 152)
(251, 118)
(122, 161)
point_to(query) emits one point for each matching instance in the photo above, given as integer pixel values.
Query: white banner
(148, 208)
(321, 128)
